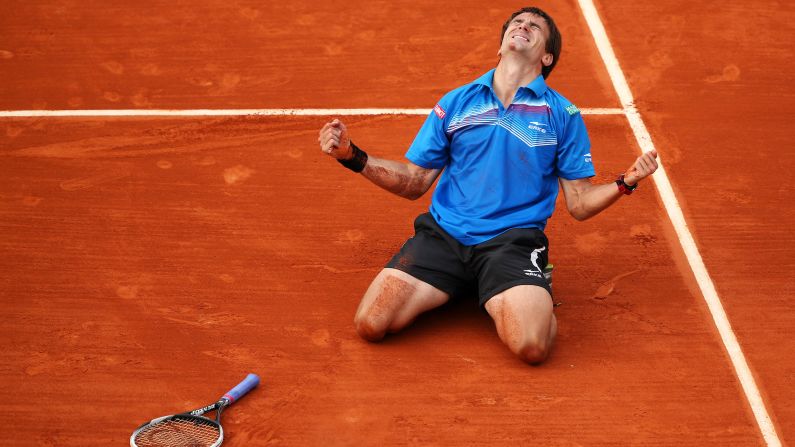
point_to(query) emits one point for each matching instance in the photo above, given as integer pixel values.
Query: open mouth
(516, 36)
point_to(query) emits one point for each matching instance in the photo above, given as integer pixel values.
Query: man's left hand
(643, 167)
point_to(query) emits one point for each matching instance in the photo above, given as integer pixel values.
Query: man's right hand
(334, 140)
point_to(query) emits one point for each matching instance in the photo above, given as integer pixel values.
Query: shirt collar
(538, 86)
(486, 79)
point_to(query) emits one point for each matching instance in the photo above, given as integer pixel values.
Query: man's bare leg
(393, 300)
(525, 321)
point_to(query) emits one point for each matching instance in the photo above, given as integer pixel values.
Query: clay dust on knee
(393, 295)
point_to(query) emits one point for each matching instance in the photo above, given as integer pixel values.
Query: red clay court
(168, 224)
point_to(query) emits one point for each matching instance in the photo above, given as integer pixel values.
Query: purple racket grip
(249, 383)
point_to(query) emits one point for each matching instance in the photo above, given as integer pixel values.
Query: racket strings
(183, 431)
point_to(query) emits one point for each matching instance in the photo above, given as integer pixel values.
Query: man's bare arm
(585, 200)
(404, 179)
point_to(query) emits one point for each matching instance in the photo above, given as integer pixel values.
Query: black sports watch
(623, 187)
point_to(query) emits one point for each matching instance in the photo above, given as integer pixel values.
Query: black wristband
(624, 187)
(359, 160)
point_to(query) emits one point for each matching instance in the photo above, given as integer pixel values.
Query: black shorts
(513, 258)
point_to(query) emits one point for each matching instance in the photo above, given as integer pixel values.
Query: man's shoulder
(458, 99)
(560, 103)
(462, 92)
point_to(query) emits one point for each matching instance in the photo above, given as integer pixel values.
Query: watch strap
(624, 187)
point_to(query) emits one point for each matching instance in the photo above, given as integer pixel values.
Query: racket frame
(249, 383)
(196, 414)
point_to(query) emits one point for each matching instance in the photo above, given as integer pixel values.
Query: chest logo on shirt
(535, 125)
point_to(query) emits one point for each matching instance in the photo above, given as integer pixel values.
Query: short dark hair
(554, 43)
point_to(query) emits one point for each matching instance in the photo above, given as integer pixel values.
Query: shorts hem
(430, 281)
(485, 297)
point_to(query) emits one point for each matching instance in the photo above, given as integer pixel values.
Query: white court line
(240, 112)
(680, 225)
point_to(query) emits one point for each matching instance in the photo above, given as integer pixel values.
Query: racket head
(178, 430)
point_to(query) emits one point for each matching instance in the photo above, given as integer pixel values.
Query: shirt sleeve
(431, 146)
(573, 159)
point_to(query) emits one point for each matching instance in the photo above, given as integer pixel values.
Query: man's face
(527, 34)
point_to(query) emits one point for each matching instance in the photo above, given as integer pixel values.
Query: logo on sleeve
(572, 109)
(439, 111)
(587, 157)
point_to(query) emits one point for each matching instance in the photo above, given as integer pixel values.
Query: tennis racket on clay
(191, 429)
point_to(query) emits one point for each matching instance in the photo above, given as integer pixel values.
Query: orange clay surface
(149, 264)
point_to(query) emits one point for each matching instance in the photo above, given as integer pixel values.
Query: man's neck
(511, 74)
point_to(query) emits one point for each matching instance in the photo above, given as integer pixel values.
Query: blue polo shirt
(501, 165)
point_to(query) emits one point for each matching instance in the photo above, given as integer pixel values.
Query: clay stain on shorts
(405, 261)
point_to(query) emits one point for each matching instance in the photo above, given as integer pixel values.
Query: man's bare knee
(533, 351)
(525, 322)
(369, 328)
(392, 302)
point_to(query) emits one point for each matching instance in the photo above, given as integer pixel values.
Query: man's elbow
(415, 191)
(414, 194)
(580, 214)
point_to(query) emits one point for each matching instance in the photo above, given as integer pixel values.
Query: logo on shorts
(538, 272)
(439, 111)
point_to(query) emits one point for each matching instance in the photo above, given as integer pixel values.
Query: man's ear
(547, 59)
